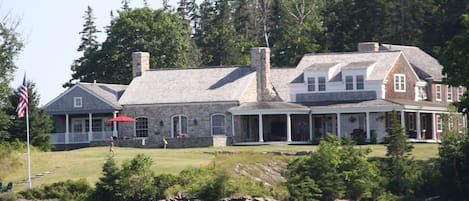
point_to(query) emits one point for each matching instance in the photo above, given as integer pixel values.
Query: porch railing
(81, 137)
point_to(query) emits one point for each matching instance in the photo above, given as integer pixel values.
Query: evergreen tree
(86, 67)
(402, 172)
(107, 187)
(40, 124)
(10, 46)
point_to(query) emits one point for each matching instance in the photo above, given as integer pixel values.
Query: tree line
(221, 32)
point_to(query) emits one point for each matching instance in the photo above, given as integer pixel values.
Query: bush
(65, 191)
(8, 196)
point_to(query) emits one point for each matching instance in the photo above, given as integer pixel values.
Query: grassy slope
(86, 163)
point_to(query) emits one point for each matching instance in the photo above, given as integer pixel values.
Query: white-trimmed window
(450, 94)
(439, 123)
(218, 124)
(179, 125)
(360, 82)
(311, 84)
(77, 102)
(450, 123)
(399, 82)
(422, 93)
(438, 92)
(141, 127)
(348, 82)
(321, 83)
(460, 93)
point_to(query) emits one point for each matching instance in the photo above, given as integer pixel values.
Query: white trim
(211, 124)
(180, 124)
(399, 79)
(449, 93)
(135, 126)
(439, 120)
(440, 93)
(77, 102)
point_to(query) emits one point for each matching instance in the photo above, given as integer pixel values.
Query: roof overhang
(256, 108)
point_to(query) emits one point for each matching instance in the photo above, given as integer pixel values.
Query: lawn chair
(9, 187)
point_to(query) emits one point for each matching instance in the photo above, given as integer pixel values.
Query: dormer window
(77, 102)
(360, 82)
(422, 93)
(399, 82)
(316, 83)
(348, 82)
(311, 84)
(321, 84)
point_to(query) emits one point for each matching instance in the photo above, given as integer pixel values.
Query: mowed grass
(87, 163)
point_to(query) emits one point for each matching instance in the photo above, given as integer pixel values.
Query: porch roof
(252, 108)
(421, 105)
(353, 107)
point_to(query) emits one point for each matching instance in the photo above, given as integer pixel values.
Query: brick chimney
(368, 47)
(260, 58)
(140, 63)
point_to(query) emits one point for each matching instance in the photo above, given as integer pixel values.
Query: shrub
(8, 196)
(65, 191)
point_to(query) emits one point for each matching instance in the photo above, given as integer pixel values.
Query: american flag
(23, 105)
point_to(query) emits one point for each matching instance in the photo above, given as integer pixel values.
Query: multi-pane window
(348, 82)
(411, 121)
(141, 127)
(460, 93)
(179, 125)
(96, 124)
(77, 102)
(450, 94)
(218, 124)
(399, 82)
(311, 84)
(439, 123)
(438, 92)
(360, 82)
(422, 93)
(321, 84)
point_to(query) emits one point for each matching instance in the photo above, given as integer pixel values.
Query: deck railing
(80, 137)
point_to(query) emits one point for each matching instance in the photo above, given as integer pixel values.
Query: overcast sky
(50, 30)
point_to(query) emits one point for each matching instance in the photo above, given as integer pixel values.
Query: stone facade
(160, 119)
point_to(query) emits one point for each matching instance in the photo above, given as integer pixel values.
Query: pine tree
(40, 124)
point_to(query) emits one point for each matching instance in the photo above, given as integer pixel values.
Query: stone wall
(160, 119)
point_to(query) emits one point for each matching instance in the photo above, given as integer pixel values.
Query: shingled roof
(109, 92)
(424, 64)
(188, 85)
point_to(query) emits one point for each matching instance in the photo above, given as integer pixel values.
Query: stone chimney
(368, 47)
(140, 63)
(260, 58)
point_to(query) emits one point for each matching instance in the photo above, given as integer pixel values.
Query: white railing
(81, 137)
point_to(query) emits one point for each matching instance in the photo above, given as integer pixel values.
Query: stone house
(341, 93)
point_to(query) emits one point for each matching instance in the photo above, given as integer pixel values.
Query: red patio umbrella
(122, 118)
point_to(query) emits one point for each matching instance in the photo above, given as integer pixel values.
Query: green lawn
(86, 163)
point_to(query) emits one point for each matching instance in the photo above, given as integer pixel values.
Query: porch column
(419, 126)
(434, 126)
(90, 125)
(67, 132)
(232, 126)
(114, 125)
(310, 127)
(261, 129)
(402, 119)
(339, 130)
(288, 127)
(368, 134)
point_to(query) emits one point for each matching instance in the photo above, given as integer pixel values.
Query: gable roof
(188, 85)
(97, 97)
(424, 64)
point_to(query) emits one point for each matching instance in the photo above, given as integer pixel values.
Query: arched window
(218, 124)
(141, 127)
(179, 125)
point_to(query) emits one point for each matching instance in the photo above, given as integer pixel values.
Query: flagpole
(30, 186)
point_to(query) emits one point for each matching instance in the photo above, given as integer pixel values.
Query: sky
(50, 30)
